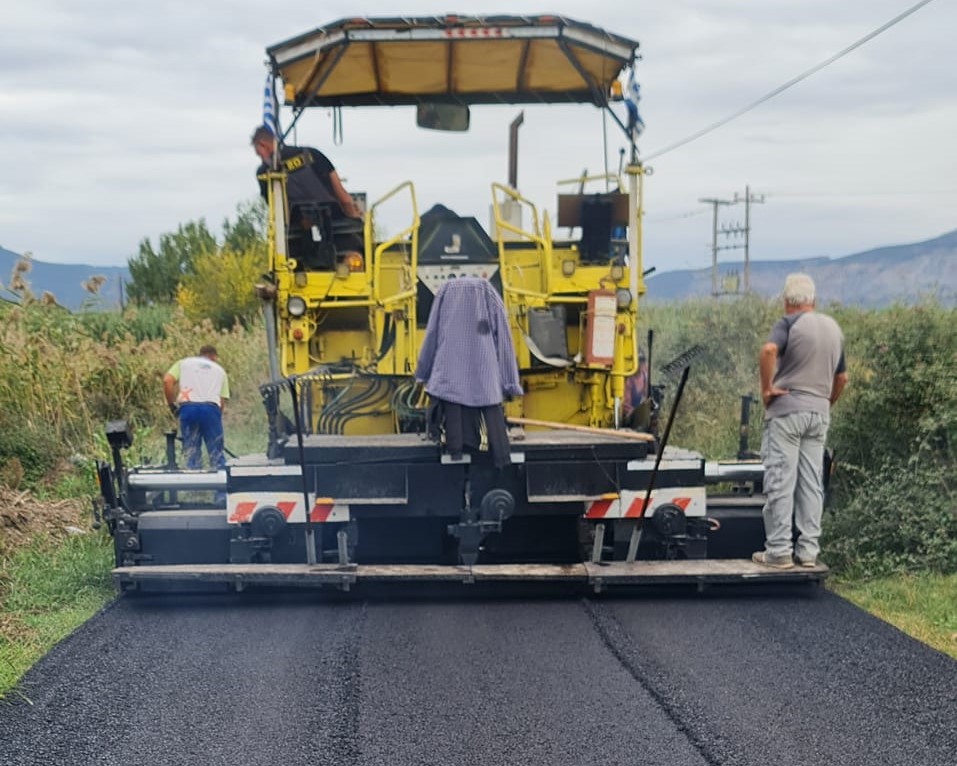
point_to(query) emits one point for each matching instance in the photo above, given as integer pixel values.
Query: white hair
(798, 290)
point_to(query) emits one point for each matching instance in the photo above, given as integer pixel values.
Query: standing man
(802, 376)
(196, 389)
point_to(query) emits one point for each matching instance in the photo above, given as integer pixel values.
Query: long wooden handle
(624, 434)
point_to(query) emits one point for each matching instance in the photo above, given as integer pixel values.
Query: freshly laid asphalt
(745, 677)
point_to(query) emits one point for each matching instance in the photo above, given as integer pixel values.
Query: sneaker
(777, 562)
(809, 563)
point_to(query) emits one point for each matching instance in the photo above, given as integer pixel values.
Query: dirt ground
(24, 518)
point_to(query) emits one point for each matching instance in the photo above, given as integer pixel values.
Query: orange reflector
(297, 334)
(354, 261)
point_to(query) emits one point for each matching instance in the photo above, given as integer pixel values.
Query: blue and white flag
(632, 97)
(270, 105)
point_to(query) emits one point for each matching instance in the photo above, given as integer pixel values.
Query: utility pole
(714, 238)
(733, 230)
(748, 199)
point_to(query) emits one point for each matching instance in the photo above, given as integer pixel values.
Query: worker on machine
(324, 220)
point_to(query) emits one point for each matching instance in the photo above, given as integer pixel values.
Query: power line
(674, 217)
(790, 83)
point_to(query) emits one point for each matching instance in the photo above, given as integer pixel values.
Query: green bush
(34, 451)
(903, 393)
(894, 435)
(899, 518)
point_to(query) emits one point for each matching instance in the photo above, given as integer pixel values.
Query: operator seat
(596, 215)
(319, 233)
(602, 218)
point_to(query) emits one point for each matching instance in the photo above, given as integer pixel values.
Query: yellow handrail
(582, 180)
(410, 234)
(411, 231)
(543, 245)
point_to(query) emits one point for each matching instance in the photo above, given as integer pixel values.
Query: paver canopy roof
(455, 59)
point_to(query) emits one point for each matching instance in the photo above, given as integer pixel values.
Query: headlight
(296, 306)
(617, 271)
(623, 297)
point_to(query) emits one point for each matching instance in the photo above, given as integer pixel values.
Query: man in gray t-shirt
(802, 376)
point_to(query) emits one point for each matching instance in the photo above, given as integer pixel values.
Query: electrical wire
(780, 89)
(676, 216)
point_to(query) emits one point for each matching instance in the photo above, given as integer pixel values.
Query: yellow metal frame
(599, 387)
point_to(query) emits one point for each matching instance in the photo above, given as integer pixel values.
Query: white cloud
(120, 121)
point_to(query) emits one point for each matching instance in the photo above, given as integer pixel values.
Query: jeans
(202, 423)
(792, 449)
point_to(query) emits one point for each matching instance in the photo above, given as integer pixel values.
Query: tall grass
(730, 335)
(62, 376)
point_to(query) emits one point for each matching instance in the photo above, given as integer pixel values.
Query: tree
(249, 229)
(155, 274)
(220, 286)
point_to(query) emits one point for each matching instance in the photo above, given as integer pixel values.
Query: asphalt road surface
(789, 677)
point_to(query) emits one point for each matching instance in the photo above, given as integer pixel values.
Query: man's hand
(772, 393)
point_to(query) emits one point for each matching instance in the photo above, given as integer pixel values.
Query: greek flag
(632, 97)
(270, 106)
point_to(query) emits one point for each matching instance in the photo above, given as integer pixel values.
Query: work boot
(777, 562)
(808, 563)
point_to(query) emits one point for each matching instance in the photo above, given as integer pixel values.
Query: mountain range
(65, 282)
(873, 278)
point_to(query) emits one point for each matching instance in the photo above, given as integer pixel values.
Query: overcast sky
(120, 120)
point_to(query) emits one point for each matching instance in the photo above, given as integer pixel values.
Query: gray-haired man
(802, 376)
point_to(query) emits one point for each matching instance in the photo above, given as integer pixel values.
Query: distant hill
(65, 282)
(873, 278)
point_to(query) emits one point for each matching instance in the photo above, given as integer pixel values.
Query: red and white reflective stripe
(323, 509)
(241, 511)
(600, 509)
(631, 505)
(286, 508)
(242, 506)
(636, 508)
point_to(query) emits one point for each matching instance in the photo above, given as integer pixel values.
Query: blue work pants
(198, 424)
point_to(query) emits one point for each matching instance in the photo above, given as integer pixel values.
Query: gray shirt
(810, 353)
